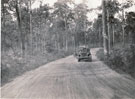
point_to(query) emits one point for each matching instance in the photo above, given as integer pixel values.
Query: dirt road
(68, 79)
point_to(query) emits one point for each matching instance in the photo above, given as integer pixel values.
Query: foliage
(32, 37)
(130, 28)
(15, 65)
(120, 58)
(45, 32)
(113, 6)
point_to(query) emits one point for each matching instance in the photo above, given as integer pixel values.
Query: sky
(90, 3)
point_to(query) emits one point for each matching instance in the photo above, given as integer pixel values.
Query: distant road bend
(68, 79)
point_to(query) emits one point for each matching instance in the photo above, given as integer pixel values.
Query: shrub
(13, 65)
(122, 58)
(100, 54)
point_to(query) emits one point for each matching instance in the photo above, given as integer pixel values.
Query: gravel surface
(68, 79)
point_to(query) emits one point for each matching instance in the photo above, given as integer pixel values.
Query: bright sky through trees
(91, 4)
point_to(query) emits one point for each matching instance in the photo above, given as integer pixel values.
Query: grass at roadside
(121, 59)
(13, 65)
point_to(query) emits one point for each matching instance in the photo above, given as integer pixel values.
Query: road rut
(68, 79)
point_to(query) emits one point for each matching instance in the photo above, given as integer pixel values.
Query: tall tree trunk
(18, 13)
(109, 37)
(133, 36)
(3, 24)
(100, 40)
(57, 40)
(66, 42)
(66, 38)
(85, 37)
(31, 26)
(40, 43)
(123, 30)
(44, 36)
(3, 13)
(105, 34)
(40, 25)
(113, 35)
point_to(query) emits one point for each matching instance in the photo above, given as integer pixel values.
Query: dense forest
(33, 37)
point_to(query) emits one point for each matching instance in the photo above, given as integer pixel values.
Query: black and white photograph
(67, 49)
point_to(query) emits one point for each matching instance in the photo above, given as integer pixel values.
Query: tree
(61, 12)
(81, 22)
(112, 9)
(97, 29)
(105, 33)
(124, 6)
(130, 20)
